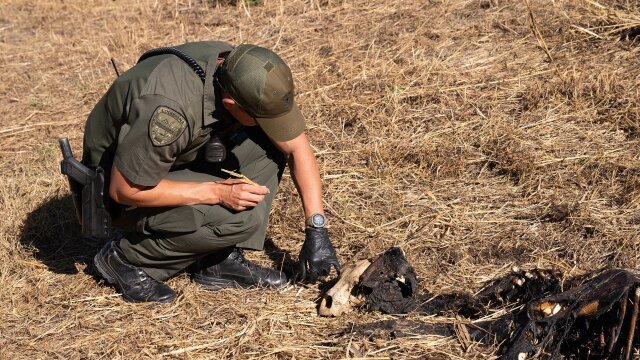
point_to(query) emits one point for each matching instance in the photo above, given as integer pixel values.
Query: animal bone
(588, 320)
(340, 298)
(595, 317)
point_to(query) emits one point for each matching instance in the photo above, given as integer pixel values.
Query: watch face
(318, 220)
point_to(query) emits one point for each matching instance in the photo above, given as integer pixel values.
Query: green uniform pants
(164, 241)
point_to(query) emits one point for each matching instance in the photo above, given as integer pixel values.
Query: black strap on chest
(215, 150)
(179, 53)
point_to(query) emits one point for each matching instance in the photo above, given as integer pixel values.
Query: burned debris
(546, 316)
(597, 319)
(390, 284)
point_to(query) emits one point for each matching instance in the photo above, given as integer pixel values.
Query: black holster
(87, 191)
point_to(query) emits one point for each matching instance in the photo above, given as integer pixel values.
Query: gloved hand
(317, 255)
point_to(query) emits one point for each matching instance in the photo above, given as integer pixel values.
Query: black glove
(317, 255)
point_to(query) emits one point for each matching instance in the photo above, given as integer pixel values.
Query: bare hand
(238, 195)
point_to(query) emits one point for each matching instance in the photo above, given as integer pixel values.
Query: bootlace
(241, 259)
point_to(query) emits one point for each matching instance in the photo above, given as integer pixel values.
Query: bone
(615, 331)
(339, 299)
(632, 324)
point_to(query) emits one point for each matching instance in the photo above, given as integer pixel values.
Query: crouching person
(164, 133)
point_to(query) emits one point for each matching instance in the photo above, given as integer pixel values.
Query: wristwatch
(315, 221)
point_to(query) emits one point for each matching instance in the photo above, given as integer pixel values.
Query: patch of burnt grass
(619, 182)
(510, 157)
(631, 34)
(556, 213)
(507, 252)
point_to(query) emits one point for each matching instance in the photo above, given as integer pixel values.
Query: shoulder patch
(166, 126)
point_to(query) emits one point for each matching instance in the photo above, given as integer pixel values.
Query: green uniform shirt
(156, 115)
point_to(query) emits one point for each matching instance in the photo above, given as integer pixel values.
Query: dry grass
(462, 131)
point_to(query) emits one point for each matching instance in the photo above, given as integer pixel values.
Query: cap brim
(285, 127)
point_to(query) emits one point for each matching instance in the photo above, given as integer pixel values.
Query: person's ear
(228, 103)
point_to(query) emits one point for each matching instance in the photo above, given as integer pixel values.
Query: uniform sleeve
(156, 131)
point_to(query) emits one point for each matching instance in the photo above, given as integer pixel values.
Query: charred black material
(593, 320)
(520, 286)
(390, 284)
(397, 328)
(592, 317)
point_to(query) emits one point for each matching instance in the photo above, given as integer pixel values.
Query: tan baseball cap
(258, 80)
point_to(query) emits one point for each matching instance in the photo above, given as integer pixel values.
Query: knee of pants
(245, 225)
(254, 221)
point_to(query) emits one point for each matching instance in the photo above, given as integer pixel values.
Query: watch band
(316, 220)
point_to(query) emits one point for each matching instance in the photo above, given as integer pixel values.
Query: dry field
(474, 134)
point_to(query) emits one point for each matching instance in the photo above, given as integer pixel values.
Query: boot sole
(216, 284)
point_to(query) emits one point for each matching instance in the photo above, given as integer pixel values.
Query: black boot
(134, 284)
(229, 269)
